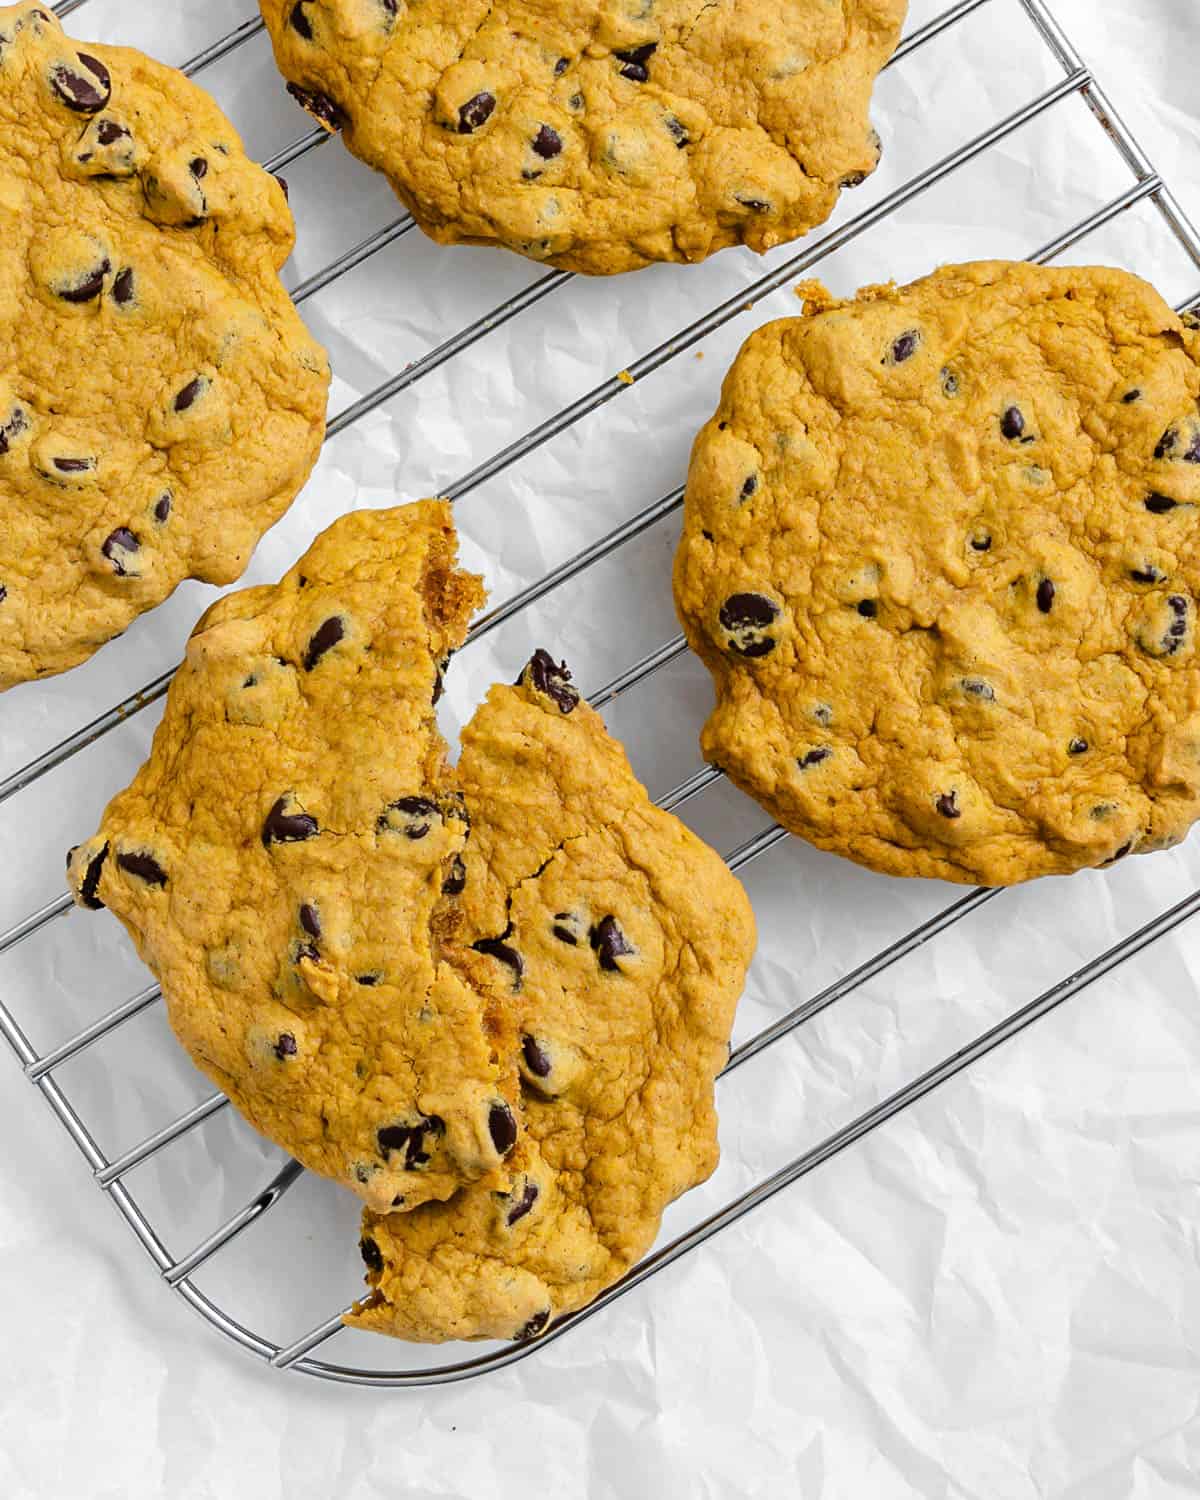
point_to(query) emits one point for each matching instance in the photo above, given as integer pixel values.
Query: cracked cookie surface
(615, 942)
(161, 402)
(598, 135)
(491, 999)
(941, 555)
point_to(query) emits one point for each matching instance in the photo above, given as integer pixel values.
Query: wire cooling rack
(40, 1069)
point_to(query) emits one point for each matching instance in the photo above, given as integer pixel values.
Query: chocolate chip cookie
(615, 944)
(605, 134)
(502, 988)
(160, 401)
(941, 553)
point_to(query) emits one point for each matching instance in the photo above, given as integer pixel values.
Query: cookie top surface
(160, 400)
(616, 944)
(279, 857)
(599, 135)
(940, 553)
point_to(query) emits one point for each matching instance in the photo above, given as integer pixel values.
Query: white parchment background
(995, 1296)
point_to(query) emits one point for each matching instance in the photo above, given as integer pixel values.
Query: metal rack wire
(40, 1069)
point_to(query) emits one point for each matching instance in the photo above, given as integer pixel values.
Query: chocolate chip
(190, 394)
(502, 1127)
(310, 920)
(533, 1327)
(755, 205)
(74, 465)
(976, 687)
(634, 60)
(89, 288)
(1148, 574)
(91, 881)
(1045, 596)
(3, 593)
(285, 1046)
(522, 1205)
(610, 943)
(561, 66)
(320, 106)
(853, 180)
(118, 547)
(1166, 443)
(547, 143)
(13, 428)
(498, 949)
(677, 131)
(814, 757)
(325, 638)
(299, 22)
(746, 617)
(456, 881)
(109, 132)
(371, 1253)
(947, 805)
(1121, 853)
(162, 507)
(1133, 395)
(541, 673)
(536, 1059)
(904, 347)
(868, 608)
(369, 981)
(981, 542)
(122, 287)
(1159, 505)
(949, 383)
(144, 866)
(1177, 630)
(411, 816)
(749, 487)
(564, 934)
(410, 1139)
(1078, 747)
(1012, 423)
(86, 89)
(283, 827)
(476, 112)
(198, 167)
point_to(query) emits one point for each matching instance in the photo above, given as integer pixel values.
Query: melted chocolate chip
(541, 673)
(502, 1127)
(109, 132)
(903, 347)
(1177, 630)
(285, 1046)
(299, 22)
(981, 543)
(1159, 505)
(755, 205)
(324, 639)
(561, 66)
(411, 816)
(498, 949)
(162, 507)
(91, 881)
(198, 167)
(1012, 423)
(144, 866)
(86, 89)
(122, 287)
(677, 131)
(371, 1253)
(1078, 747)
(1148, 574)
(868, 608)
(976, 687)
(118, 548)
(13, 428)
(456, 881)
(410, 1139)
(476, 112)
(310, 920)
(534, 1326)
(749, 487)
(522, 1205)
(610, 943)
(536, 1060)
(746, 617)
(89, 288)
(74, 465)
(1045, 596)
(814, 757)
(563, 934)
(320, 106)
(283, 827)
(547, 143)
(947, 805)
(1166, 443)
(190, 394)
(368, 981)
(633, 61)
(1133, 395)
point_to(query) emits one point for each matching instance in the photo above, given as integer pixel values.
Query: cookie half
(594, 136)
(941, 553)
(615, 944)
(161, 402)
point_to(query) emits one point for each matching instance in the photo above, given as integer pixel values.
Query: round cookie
(941, 555)
(599, 135)
(160, 400)
(615, 944)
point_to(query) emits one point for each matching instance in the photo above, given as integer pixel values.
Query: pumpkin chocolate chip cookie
(502, 989)
(160, 400)
(941, 553)
(601, 135)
